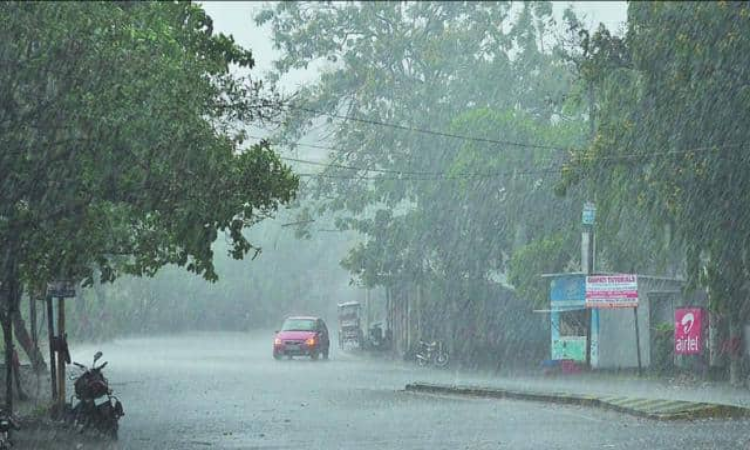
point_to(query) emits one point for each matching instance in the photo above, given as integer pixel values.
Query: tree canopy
(418, 78)
(123, 145)
(673, 97)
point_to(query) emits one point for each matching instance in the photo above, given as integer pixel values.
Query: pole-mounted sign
(61, 289)
(589, 214)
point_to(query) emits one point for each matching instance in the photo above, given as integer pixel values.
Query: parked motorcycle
(432, 353)
(96, 408)
(8, 423)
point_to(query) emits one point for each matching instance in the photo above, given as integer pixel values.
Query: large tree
(456, 123)
(675, 94)
(122, 143)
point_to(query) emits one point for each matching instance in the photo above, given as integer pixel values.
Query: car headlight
(277, 341)
(310, 342)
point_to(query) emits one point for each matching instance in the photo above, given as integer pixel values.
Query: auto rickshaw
(350, 326)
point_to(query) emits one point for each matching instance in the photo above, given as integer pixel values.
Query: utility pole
(52, 362)
(637, 341)
(33, 299)
(589, 215)
(60, 354)
(11, 299)
(367, 310)
(587, 263)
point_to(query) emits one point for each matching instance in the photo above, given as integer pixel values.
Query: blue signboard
(568, 288)
(589, 214)
(568, 293)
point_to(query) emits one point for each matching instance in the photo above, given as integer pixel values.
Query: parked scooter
(97, 408)
(8, 423)
(432, 353)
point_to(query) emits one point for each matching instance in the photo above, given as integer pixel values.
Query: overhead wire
(411, 174)
(422, 130)
(422, 175)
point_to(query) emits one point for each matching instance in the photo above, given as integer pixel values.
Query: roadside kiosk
(613, 327)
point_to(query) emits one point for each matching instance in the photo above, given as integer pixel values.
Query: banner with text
(612, 291)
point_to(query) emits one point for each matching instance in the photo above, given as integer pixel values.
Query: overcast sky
(236, 18)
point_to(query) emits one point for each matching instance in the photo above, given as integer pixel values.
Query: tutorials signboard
(612, 291)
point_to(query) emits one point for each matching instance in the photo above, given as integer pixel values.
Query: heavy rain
(375, 225)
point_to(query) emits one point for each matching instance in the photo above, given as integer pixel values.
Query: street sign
(61, 289)
(688, 331)
(589, 213)
(612, 291)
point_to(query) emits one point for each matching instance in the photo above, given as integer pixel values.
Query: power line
(339, 166)
(438, 176)
(434, 176)
(594, 158)
(605, 158)
(424, 130)
(443, 175)
(360, 169)
(479, 139)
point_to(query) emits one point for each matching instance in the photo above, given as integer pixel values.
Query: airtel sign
(688, 331)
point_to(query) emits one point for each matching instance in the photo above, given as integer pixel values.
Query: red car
(302, 336)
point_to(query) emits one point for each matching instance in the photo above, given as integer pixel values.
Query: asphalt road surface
(225, 391)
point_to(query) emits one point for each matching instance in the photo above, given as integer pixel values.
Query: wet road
(224, 391)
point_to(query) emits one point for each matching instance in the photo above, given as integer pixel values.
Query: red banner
(688, 329)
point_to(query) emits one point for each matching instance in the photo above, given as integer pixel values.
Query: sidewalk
(641, 396)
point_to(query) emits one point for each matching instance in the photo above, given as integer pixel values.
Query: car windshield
(298, 325)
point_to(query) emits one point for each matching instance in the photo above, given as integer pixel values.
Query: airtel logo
(687, 323)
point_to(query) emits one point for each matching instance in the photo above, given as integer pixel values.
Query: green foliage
(389, 253)
(470, 68)
(663, 348)
(670, 138)
(122, 141)
(551, 254)
(663, 105)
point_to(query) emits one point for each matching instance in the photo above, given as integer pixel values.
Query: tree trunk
(11, 292)
(735, 345)
(27, 343)
(33, 321)
(734, 349)
(99, 291)
(716, 335)
(7, 325)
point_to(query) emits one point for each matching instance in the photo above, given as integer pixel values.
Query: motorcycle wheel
(5, 441)
(441, 360)
(421, 362)
(82, 416)
(112, 430)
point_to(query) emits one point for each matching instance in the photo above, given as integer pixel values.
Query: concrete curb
(655, 409)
